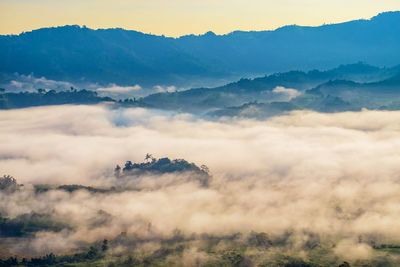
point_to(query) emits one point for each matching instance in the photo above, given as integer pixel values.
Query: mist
(329, 174)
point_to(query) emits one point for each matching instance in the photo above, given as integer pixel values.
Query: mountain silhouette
(125, 57)
(345, 77)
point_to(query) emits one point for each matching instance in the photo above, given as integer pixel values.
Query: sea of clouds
(330, 174)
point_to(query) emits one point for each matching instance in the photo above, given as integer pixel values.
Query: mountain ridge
(209, 32)
(126, 57)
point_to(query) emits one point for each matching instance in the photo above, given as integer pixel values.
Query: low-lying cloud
(288, 92)
(330, 174)
(32, 83)
(163, 89)
(113, 88)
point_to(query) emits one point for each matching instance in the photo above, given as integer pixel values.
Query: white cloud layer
(113, 88)
(162, 89)
(289, 92)
(32, 83)
(332, 174)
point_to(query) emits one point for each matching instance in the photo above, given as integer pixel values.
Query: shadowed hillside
(120, 56)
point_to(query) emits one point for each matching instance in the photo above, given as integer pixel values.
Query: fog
(330, 174)
(21, 83)
(289, 93)
(30, 83)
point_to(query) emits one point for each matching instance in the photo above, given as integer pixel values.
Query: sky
(181, 17)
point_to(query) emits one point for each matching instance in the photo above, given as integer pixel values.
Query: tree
(92, 253)
(233, 257)
(117, 171)
(8, 184)
(104, 246)
(50, 258)
(149, 157)
(128, 165)
(259, 240)
(205, 169)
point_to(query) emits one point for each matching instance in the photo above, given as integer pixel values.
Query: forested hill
(263, 89)
(74, 53)
(10, 100)
(345, 88)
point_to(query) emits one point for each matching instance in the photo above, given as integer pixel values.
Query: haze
(267, 175)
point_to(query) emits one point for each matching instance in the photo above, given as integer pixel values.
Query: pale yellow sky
(179, 17)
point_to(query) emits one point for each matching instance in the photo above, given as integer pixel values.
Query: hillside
(73, 53)
(263, 89)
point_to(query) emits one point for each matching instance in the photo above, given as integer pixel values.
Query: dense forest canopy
(163, 166)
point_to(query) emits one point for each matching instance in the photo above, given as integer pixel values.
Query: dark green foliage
(93, 253)
(12, 261)
(282, 240)
(234, 258)
(72, 188)
(287, 261)
(104, 246)
(229, 251)
(380, 261)
(130, 261)
(260, 240)
(8, 184)
(163, 166)
(27, 224)
(161, 253)
(49, 259)
(384, 246)
(42, 188)
(30, 99)
(11, 227)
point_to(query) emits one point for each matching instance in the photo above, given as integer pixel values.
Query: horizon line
(83, 26)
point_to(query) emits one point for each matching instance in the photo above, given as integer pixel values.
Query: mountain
(331, 96)
(345, 88)
(255, 110)
(296, 47)
(374, 95)
(73, 53)
(264, 89)
(43, 98)
(327, 104)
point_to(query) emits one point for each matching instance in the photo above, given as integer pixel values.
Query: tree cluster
(162, 166)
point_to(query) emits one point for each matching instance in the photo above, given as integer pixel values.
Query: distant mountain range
(357, 78)
(331, 96)
(345, 88)
(80, 54)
